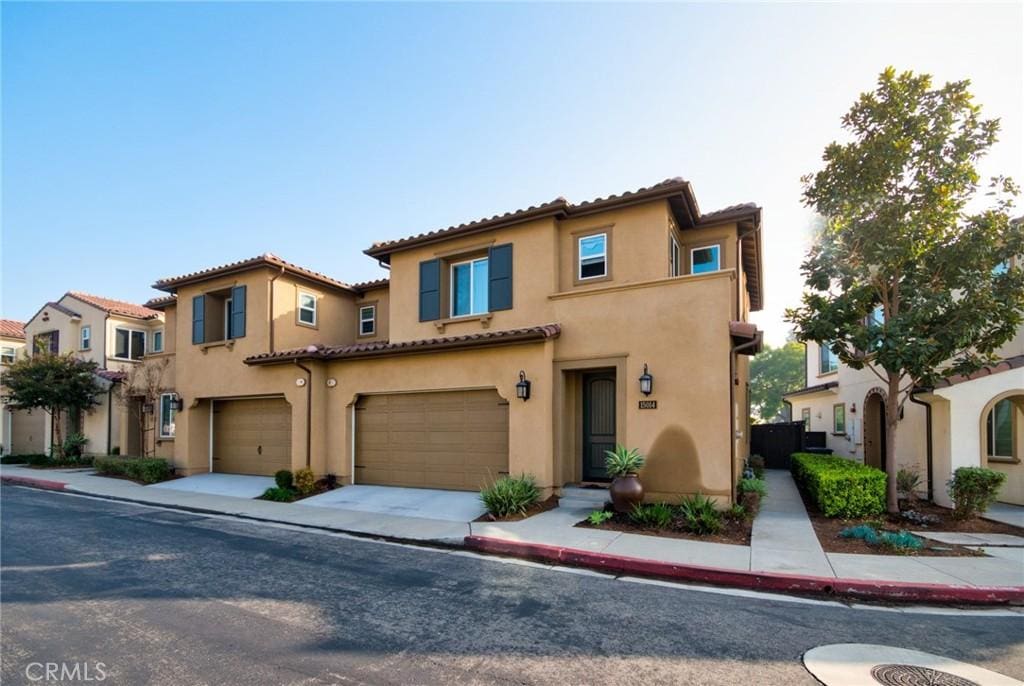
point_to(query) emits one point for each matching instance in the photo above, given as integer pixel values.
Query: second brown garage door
(446, 439)
(252, 436)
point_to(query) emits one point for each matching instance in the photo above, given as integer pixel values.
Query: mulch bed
(733, 531)
(828, 528)
(543, 506)
(321, 486)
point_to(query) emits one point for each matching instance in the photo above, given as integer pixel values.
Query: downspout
(270, 306)
(733, 352)
(309, 409)
(928, 440)
(110, 414)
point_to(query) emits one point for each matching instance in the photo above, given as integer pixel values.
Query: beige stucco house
(21, 431)
(114, 334)
(513, 344)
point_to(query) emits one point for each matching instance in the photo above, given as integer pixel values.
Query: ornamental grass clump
(510, 496)
(699, 514)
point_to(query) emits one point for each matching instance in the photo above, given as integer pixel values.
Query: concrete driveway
(455, 506)
(234, 485)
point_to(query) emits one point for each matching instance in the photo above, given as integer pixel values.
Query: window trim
(4, 356)
(805, 417)
(990, 437)
(824, 349)
(160, 417)
(130, 331)
(300, 308)
(160, 349)
(836, 431)
(675, 256)
(373, 320)
(718, 257)
(604, 257)
(227, 318)
(472, 276)
(84, 335)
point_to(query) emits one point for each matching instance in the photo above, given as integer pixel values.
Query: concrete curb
(34, 483)
(890, 591)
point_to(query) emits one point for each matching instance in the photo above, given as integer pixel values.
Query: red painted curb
(34, 483)
(760, 581)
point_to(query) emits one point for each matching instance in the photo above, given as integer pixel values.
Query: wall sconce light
(646, 381)
(523, 387)
(178, 404)
(332, 382)
(853, 408)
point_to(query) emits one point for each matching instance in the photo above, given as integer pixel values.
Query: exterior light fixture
(523, 387)
(178, 404)
(646, 381)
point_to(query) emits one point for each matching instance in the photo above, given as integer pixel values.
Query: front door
(598, 422)
(874, 431)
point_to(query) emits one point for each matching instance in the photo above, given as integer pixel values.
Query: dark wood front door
(598, 422)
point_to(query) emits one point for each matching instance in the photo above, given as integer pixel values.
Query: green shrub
(283, 479)
(736, 512)
(655, 515)
(510, 495)
(756, 464)
(751, 486)
(973, 489)
(863, 532)
(39, 460)
(305, 481)
(74, 445)
(840, 487)
(700, 515)
(148, 470)
(908, 480)
(278, 494)
(620, 462)
(20, 459)
(902, 540)
(599, 517)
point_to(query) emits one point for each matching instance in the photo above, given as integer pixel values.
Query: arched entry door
(874, 431)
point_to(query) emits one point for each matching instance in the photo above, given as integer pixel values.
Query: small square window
(367, 320)
(593, 256)
(307, 308)
(7, 354)
(129, 344)
(86, 342)
(839, 419)
(705, 259)
(469, 287)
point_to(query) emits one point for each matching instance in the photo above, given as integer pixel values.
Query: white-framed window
(367, 320)
(839, 418)
(707, 258)
(168, 412)
(593, 256)
(999, 430)
(307, 308)
(85, 342)
(129, 344)
(827, 360)
(469, 287)
(675, 256)
(158, 341)
(805, 415)
(7, 354)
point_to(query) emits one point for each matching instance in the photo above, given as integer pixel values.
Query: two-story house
(529, 342)
(21, 431)
(114, 334)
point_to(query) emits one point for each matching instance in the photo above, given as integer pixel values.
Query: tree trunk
(57, 448)
(892, 420)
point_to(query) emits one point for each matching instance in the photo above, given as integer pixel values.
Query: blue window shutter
(238, 312)
(430, 290)
(199, 319)
(499, 292)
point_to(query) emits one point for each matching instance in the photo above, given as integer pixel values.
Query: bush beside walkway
(840, 487)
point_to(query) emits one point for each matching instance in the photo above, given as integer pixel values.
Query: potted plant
(622, 465)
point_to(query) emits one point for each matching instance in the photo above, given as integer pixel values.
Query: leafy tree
(774, 372)
(910, 276)
(59, 384)
(145, 381)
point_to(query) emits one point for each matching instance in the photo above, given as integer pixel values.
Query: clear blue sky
(148, 140)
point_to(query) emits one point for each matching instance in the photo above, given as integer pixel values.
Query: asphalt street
(147, 596)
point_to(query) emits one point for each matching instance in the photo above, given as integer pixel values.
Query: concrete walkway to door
(428, 503)
(782, 538)
(234, 485)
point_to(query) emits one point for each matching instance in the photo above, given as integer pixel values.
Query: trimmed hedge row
(840, 487)
(148, 470)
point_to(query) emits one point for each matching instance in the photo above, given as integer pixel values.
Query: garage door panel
(252, 436)
(445, 439)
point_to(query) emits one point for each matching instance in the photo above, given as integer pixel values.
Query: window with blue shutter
(499, 293)
(199, 319)
(237, 329)
(430, 290)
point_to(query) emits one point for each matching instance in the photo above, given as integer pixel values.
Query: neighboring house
(975, 421)
(21, 431)
(114, 334)
(522, 343)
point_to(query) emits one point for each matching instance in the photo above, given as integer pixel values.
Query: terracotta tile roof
(364, 286)
(162, 302)
(1015, 362)
(383, 348)
(741, 210)
(10, 328)
(111, 375)
(171, 284)
(56, 306)
(812, 389)
(112, 306)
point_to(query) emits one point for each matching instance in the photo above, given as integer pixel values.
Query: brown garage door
(449, 439)
(27, 432)
(252, 436)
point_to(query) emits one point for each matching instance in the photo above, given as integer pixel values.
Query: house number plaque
(648, 404)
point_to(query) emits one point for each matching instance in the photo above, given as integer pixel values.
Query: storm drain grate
(911, 675)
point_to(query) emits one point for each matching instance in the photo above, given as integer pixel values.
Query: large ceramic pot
(627, 492)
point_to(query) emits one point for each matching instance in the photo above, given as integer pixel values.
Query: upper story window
(48, 342)
(827, 360)
(7, 354)
(707, 258)
(1001, 268)
(877, 316)
(168, 411)
(85, 342)
(367, 320)
(307, 308)
(219, 315)
(675, 257)
(593, 256)
(129, 344)
(468, 285)
(158, 341)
